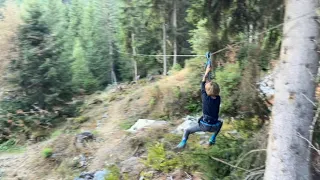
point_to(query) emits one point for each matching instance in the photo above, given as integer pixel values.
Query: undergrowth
(47, 152)
(195, 157)
(10, 146)
(114, 173)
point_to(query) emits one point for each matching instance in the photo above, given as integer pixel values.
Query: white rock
(143, 123)
(266, 85)
(105, 115)
(133, 166)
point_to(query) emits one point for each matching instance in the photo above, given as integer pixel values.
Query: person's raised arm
(203, 91)
(208, 69)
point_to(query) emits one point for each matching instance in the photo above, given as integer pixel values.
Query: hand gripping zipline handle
(208, 56)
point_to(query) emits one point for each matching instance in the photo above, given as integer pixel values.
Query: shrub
(126, 124)
(81, 119)
(47, 152)
(228, 78)
(247, 127)
(152, 101)
(56, 133)
(114, 173)
(174, 69)
(161, 160)
(10, 146)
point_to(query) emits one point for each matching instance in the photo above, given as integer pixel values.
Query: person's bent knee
(187, 131)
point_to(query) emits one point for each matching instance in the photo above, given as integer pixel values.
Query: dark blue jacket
(210, 106)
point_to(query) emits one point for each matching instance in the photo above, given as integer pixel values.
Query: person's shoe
(208, 145)
(182, 144)
(212, 140)
(211, 143)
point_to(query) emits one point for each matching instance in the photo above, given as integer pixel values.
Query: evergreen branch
(314, 121)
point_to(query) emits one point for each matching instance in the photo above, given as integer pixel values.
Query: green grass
(152, 101)
(114, 173)
(81, 119)
(125, 125)
(10, 146)
(160, 159)
(56, 133)
(47, 152)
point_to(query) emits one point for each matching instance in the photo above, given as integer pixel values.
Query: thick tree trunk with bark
(288, 153)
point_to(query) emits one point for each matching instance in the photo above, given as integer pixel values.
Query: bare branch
(314, 104)
(314, 121)
(312, 76)
(258, 168)
(310, 144)
(255, 150)
(254, 174)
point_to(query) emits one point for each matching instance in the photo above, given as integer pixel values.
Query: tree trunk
(164, 49)
(288, 154)
(175, 49)
(113, 74)
(134, 58)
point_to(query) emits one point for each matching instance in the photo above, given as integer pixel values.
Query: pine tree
(82, 77)
(97, 38)
(43, 78)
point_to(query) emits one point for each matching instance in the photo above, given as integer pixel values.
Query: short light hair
(212, 89)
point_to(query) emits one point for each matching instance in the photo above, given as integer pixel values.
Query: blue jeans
(203, 128)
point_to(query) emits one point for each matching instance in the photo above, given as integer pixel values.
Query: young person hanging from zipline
(209, 122)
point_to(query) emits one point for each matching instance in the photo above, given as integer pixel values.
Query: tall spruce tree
(43, 77)
(82, 77)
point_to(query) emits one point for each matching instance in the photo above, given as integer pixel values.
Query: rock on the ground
(82, 137)
(96, 101)
(97, 175)
(178, 174)
(105, 115)
(83, 161)
(100, 175)
(144, 123)
(133, 166)
(266, 85)
(99, 123)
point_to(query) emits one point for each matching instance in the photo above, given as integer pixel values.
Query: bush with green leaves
(81, 119)
(228, 79)
(10, 146)
(175, 68)
(114, 173)
(160, 159)
(47, 152)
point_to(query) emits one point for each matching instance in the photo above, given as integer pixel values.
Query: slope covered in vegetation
(69, 69)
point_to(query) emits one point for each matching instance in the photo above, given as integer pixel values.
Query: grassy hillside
(107, 114)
